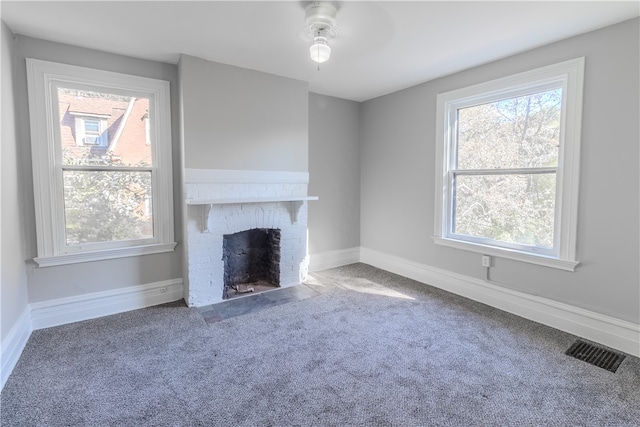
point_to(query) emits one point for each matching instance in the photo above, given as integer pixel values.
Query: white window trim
(43, 76)
(571, 75)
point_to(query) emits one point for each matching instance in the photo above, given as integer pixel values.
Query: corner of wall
(12, 346)
(14, 298)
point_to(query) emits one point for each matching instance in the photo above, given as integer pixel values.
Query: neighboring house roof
(85, 103)
(123, 126)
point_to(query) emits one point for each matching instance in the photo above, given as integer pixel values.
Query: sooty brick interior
(251, 256)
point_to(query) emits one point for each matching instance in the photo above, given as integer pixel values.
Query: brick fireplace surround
(223, 202)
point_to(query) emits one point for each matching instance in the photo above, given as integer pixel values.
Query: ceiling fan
(321, 18)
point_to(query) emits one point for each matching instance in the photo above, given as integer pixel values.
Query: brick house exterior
(106, 129)
(121, 125)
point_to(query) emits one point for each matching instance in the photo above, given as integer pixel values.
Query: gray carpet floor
(371, 348)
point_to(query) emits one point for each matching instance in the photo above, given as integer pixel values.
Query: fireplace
(251, 261)
(224, 203)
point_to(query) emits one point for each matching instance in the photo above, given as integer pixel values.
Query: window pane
(509, 208)
(91, 126)
(521, 132)
(124, 139)
(107, 206)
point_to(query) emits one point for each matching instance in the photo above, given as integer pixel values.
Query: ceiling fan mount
(321, 18)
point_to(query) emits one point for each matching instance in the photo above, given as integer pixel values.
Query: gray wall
(370, 163)
(75, 279)
(397, 178)
(334, 173)
(234, 118)
(13, 288)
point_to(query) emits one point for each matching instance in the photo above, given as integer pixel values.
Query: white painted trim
(508, 253)
(12, 346)
(82, 307)
(89, 306)
(250, 200)
(570, 76)
(607, 330)
(195, 176)
(335, 258)
(43, 77)
(103, 254)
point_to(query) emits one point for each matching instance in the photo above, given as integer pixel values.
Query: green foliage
(103, 206)
(516, 133)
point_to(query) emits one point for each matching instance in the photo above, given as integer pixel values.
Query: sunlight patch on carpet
(366, 286)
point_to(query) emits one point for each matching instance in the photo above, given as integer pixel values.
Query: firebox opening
(251, 261)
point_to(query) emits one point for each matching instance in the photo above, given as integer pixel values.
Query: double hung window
(101, 148)
(508, 166)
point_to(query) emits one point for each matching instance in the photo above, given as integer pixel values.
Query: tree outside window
(507, 167)
(101, 144)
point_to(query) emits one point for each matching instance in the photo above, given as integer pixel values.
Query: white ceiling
(381, 46)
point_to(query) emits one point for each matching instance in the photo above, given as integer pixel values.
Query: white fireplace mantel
(250, 200)
(205, 205)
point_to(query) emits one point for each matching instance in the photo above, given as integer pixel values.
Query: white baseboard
(82, 307)
(606, 330)
(89, 306)
(331, 259)
(12, 346)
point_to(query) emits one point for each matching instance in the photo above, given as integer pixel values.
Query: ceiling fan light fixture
(320, 51)
(321, 18)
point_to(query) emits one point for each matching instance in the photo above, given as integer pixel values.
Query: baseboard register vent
(597, 356)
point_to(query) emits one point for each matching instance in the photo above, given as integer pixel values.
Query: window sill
(546, 261)
(50, 261)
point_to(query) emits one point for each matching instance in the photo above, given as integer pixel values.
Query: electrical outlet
(486, 261)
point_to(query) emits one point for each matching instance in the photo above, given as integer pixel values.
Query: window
(102, 176)
(507, 166)
(90, 130)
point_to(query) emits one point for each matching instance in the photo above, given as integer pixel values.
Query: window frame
(569, 75)
(44, 77)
